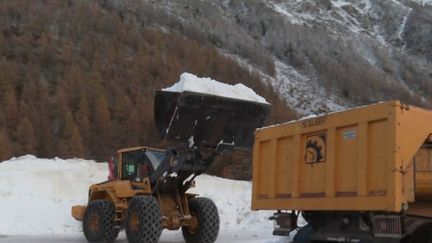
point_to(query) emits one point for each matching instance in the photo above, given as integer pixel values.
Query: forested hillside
(77, 80)
(77, 77)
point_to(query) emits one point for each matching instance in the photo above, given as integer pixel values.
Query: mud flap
(207, 120)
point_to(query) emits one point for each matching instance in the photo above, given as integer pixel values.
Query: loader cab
(135, 164)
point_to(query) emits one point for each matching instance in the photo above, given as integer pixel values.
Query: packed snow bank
(192, 83)
(36, 196)
(233, 200)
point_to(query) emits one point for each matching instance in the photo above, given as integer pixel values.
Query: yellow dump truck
(361, 175)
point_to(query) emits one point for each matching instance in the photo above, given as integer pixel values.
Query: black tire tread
(208, 221)
(150, 220)
(106, 211)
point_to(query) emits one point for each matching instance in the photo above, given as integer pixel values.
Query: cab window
(136, 165)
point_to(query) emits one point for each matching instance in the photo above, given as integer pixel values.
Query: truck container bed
(372, 158)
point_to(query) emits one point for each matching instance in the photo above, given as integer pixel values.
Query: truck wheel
(303, 235)
(98, 222)
(207, 225)
(143, 220)
(422, 234)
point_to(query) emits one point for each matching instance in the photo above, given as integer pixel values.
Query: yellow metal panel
(362, 165)
(310, 186)
(264, 174)
(317, 203)
(377, 158)
(272, 164)
(359, 159)
(309, 172)
(346, 161)
(296, 166)
(413, 128)
(284, 172)
(330, 172)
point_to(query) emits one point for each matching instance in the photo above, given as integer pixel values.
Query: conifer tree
(132, 128)
(71, 142)
(101, 144)
(45, 126)
(25, 137)
(82, 118)
(6, 148)
(10, 107)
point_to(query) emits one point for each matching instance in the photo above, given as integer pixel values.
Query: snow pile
(192, 83)
(233, 200)
(36, 197)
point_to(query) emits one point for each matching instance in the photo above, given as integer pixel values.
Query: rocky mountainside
(318, 55)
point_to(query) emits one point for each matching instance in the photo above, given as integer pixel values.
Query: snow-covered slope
(383, 21)
(423, 2)
(327, 55)
(374, 33)
(36, 196)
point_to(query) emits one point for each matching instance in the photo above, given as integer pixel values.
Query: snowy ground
(36, 196)
(167, 237)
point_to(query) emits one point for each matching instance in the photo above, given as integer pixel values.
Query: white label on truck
(350, 135)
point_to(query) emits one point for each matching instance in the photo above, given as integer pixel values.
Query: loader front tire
(98, 222)
(143, 220)
(207, 228)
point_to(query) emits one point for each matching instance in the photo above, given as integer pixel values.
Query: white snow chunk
(192, 83)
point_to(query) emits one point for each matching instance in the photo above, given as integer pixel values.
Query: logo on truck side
(315, 148)
(314, 122)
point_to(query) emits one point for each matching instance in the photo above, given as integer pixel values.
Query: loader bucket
(207, 120)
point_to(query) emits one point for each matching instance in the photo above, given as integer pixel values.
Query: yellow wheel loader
(149, 189)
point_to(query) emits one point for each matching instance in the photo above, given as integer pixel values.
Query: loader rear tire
(143, 220)
(98, 222)
(207, 214)
(303, 235)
